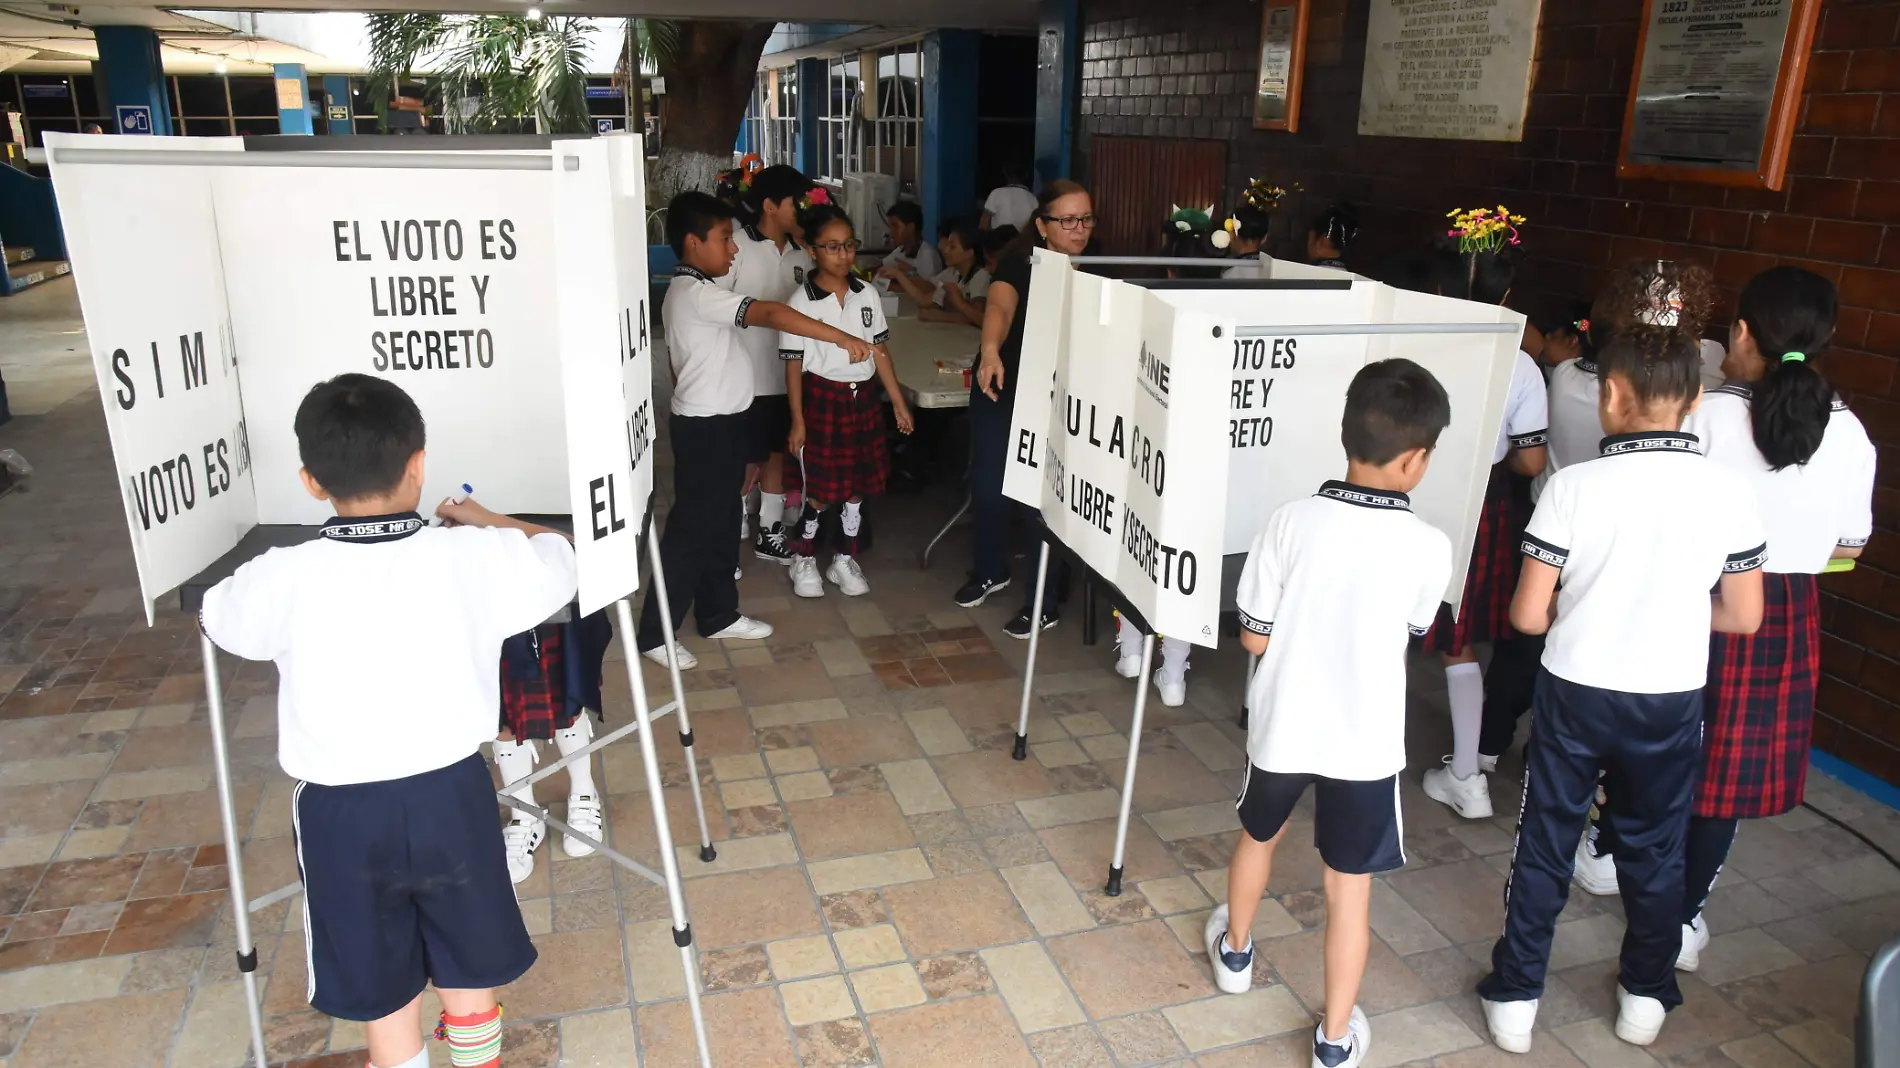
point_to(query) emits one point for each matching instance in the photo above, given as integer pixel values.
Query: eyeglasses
(839, 248)
(1072, 222)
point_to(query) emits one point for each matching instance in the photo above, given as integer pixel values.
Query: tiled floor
(891, 887)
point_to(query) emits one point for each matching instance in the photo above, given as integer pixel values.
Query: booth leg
(1021, 752)
(1088, 609)
(706, 852)
(663, 834)
(1114, 887)
(1246, 689)
(234, 866)
(923, 558)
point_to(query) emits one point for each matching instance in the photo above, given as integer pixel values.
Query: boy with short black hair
(910, 253)
(1332, 589)
(713, 384)
(404, 873)
(1639, 536)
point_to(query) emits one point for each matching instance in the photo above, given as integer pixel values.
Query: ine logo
(1154, 374)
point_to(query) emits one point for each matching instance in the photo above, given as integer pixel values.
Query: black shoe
(978, 590)
(1019, 627)
(771, 545)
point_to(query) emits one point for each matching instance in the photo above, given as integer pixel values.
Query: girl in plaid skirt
(837, 416)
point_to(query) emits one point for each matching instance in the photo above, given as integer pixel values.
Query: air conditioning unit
(867, 197)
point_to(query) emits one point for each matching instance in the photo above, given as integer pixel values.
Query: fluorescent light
(534, 14)
(220, 67)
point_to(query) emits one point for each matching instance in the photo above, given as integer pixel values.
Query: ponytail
(1790, 314)
(773, 183)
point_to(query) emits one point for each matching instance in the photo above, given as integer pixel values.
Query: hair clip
(1582, 325)
(1794, 357)
(814, 198)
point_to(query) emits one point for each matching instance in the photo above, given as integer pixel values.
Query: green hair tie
(1794, 357)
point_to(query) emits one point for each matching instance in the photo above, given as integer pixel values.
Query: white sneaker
(1173, 691)
(744, 627)
(1595, 872)
(685, 656)
(1233, 972)
(1350, 1052)
(1128, 667)
(1510, 1024)
(1638, 1019)
(521, 838)
(1487, 764)
(1695, 939)
(1470, 798)
(584, 815)
(805, 580)
(738, 572)
(845, 573)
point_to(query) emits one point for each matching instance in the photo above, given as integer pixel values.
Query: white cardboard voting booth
(1157, 426)
(502, 283)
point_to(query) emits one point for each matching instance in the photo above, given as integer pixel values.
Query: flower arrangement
(1262, 195)
(1482, 229)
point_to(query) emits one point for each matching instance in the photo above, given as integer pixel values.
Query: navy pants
(1649, 748)
(699, 549)
(992, 512)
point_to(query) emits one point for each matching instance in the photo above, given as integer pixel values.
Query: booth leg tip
(708, 854)
(1243, 719)
(1021, 751)
(1114, 887)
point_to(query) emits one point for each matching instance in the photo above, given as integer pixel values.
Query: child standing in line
(1331, 589)
(837, 419)
(910, 253)
(404, 873)
(1638, 536)
(1779, 425)
(1331, 235)
(1248, 227)
(957, 293)
(712, 391)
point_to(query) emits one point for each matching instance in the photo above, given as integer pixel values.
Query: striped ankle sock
(474, 1040)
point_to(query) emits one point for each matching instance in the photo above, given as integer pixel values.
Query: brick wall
(1186, 69)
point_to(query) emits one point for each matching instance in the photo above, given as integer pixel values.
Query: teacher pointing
(1064, 222)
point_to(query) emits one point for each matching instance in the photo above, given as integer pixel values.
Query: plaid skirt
(551, 674)
(1758, 707)
(1491, 580)
(845, 451)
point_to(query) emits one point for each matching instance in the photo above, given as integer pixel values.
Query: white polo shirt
(764, 271)
(861, 313)
(712, 368)
(1248, 269)
(1712, 353)
(1576, 431)
(1642, 533)
(925, 261)
(1010, 205)
(1809, 509)
(1526, 412)
(975, 287)
(1338, 580)
(387, 638)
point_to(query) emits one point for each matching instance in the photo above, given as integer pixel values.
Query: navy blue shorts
(405, 882)
(1356, 824)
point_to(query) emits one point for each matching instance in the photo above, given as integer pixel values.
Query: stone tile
(1732, 957)
(795, 712)
(748, 794)
(1075, 1047)
(979, 1029)
(1106, 747)
(537, 915)
(166, 923)
(1060, 754)
(1464, 902)
(937, 732)
(30, 852)
(164, 969)
(959, 912)
(103, 842)
(738, 767)
(183, 780)
(47, 809)
(933, 827)
(739, 854)
(816, 1000)
(894, 986)
(797, 758)
(1596, 1045)
(848, 825)
(991, 820)
(139, 1036)
(863, 947)
(1585, 941)
(751, 906)
(1141, 1038)
(870, 872)
(804, 786)
(81, 767)
(916, 787)
(1210, 746)
(57, 984)
(1014, 850)
(1865, 876)
(1083, 850)
(799, 958)
(1226, 1020)
(1822, 1045)
(1064, 809)
(82, 882)
(986, 778)
(1032, 987)
(84, 918)
(954, 975)
(853, 908)
(1762, 1051)
(597, 1040)
(1194, 821)
(1703, 1020)
(656, 969)
(1388, 983)
(1179, 893)
(576, 971)
(858, 779)
(1544, 1054)
(1418, 1032)
(1096, 964)
(743, 1027)
(835, 1044)
(1400, 925)
(730, 969)
(872, 739)
(841, 657)
(1047, 899)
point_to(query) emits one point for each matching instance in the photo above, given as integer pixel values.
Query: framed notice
(1455, 69)
(1716, 89)
(1276, 101)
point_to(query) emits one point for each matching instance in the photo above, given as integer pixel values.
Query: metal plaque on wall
(1453, 69)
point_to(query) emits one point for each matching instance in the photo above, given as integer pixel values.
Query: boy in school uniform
(910, 253)
(1333, 589)
(404, 872)
(713, 383)
(1638, 536)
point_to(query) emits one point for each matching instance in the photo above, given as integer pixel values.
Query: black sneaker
(1019, 626)
(978, 590)
(771, 545)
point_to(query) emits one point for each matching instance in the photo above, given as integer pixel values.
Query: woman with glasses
(1064, 222)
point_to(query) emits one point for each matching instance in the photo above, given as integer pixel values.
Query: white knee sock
(1464, 685)
(516, 760)
(853, 519)
(420, 1060)
(580, 774)
(771, 509)
(1127, 638)
(1174, 659)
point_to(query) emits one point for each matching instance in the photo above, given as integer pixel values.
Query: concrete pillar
(337, 88)
(811, 106)
(1058, 55)
(293, 99)
(134, 78)
(951, 66)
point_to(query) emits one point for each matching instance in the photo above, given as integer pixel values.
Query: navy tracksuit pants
(1649, 748)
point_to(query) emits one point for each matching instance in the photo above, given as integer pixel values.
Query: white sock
(420, 1060)
(853, 518)
(516, 760)
(1174, 659)
(580, 774)
(771, 509)
(1127, 638)
(1464, 685)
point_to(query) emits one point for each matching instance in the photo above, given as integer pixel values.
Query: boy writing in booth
(1332, 590)
(713, 387)
(404, 871)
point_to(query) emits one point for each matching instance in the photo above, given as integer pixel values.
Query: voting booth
(1157, 425)
(502, 282)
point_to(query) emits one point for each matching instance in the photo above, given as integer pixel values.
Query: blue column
(337, 88)
(1058, 52)
(812, 89)
(134, 75)
(292, 119)
(951, 66)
